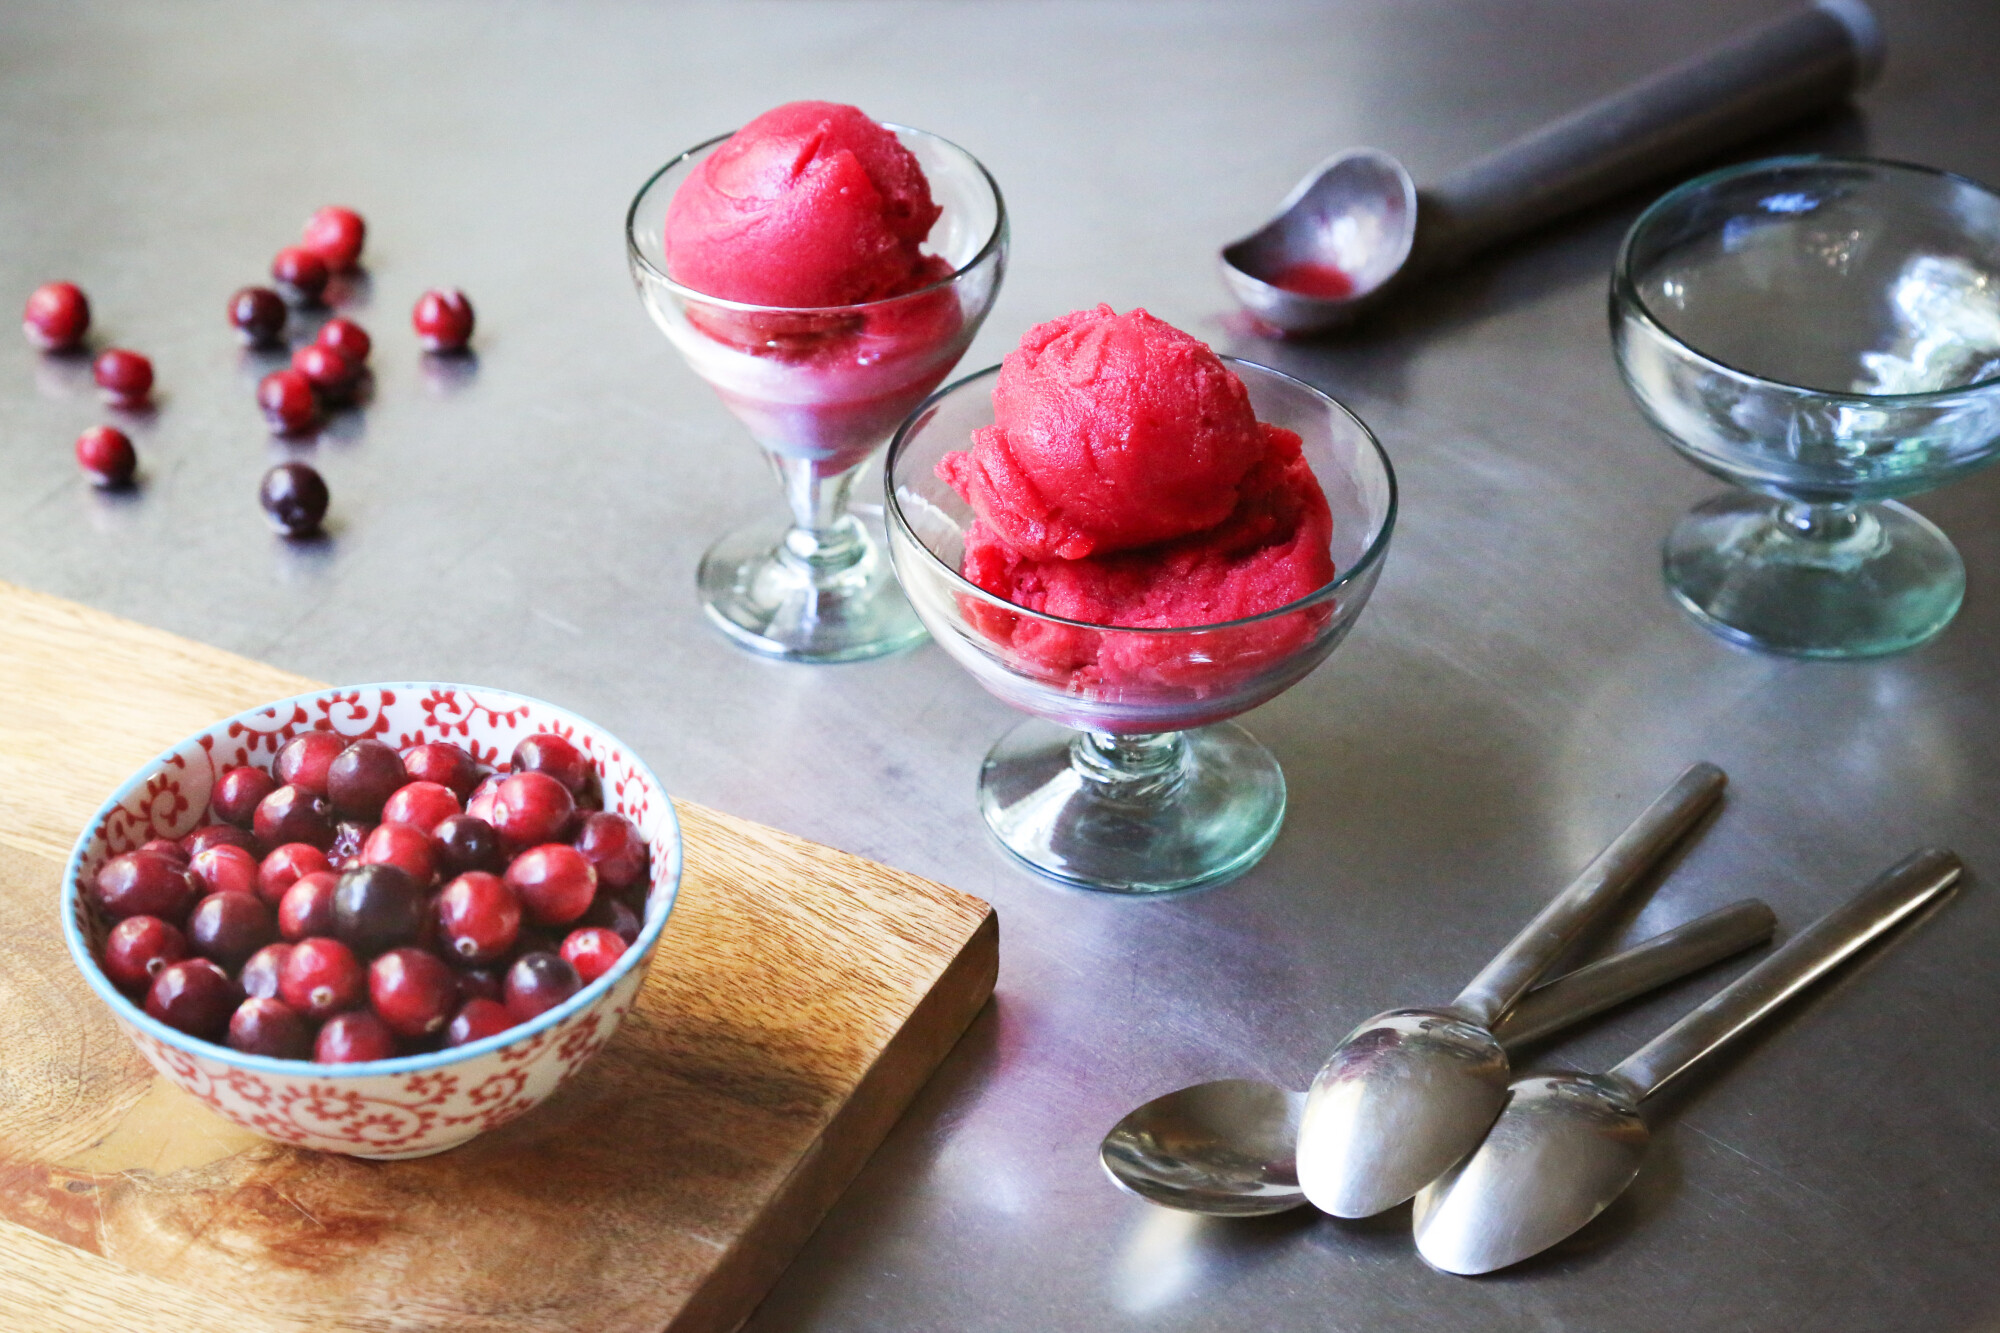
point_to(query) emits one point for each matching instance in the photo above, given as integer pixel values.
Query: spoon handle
(1668, 956)
(1616, 871)
(1763, 79)
(1919, 878)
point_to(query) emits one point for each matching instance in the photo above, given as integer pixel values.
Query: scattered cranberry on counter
(56, 317)
(106, 453)
(259, 314)
(295, 498)
(347, 338)
(300, 272)
(288, 400)
(353, 1038)
(126, 377)
(335, 234)
(331, 375)
(443, 320)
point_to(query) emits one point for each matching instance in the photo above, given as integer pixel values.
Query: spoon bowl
(1341, 234)
(1223, 1148)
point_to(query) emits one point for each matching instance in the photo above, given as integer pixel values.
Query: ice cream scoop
(1359, 228)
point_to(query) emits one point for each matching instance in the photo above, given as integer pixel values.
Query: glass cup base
(1133, 814)
(773, 602)
(1814, 581)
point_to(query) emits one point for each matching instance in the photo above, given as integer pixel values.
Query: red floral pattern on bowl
(413, 1105)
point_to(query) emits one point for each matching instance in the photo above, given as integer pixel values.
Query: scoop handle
(1668, 956)
(1617, 870)
(1918, 879)
(1757, 82)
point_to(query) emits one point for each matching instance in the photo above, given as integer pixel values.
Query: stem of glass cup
(822, 537)
(1820, 522)
(1131, 768)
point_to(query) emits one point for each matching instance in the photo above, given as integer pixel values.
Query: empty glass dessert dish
(820, 390)
(1129, 776)
(1825, 333)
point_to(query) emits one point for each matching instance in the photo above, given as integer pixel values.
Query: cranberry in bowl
(422, 1081)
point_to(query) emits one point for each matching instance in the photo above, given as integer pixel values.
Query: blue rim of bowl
(86, 962)
(994, 239)
(1627, 290)
(1325, 592)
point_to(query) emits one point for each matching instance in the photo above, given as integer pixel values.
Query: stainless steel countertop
(1520, 686)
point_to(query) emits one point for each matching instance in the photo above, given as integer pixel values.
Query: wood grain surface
(799, 998)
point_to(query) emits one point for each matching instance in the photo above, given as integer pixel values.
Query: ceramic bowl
(410, 1106)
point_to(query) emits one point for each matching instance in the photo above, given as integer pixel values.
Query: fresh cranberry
(478, 983)
(347, 338)
(260, 975)
(591, 951)
(467, 842)
(237, 793)
(348, 835)
(378, 907)
(263, 1025)
(349, 1039)
(421, 805)
(138, 947)
(443, 320)
(614, 915)
(290, 814)
(408, 849)
(259, 315)
(444, 764)
(546, 752)
(225, 869)
(612, 844)
(286, 866)
(480, 804)
(307, 907)
(531, 808)
(165, 847)
(362, 777)
(554, 883)
(537, 983)
(193, 995)
(305, 758)
(478, 917)
(144, 884)
(294, 497)
(332, 375)
(412, 991)
(476, 1019)
(220, 835)
(56, 316)
(300, 272)
(106, 453)
(229, 927)
(335, 234)
(126, 377)
(288, 400)
(321, 977)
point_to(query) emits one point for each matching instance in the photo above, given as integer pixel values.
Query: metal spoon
(1568, 1144)
(1359, 221)
(1227, 1148)
(1411, 1091)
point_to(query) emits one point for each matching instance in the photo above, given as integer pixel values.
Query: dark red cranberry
(614, 915)
(479, 918)
(259, 315)
(300, 272)
(478, 983)
(378, 907)
(295, 498)
(537, 983)
(443, 320)
(225, 869)
(347, 338)
(444, 764)
(476, 1019)
(531, 808)
(412, 991)
(229, 927)
(107, 455)
(332, 376)
(321, 977)
(285, 866)
(362, 777)
(307, 907)
(305, 758)
(408, 849)
(220, 835)
(554, 883)
(262, 1025)
(421, 805)
(612, 844)
(126, 377)
(260, 975)
(138, 947)
(546, 752)
(349, 1039)
(288, 400)
(335, 234)
(195, 996)
(237, 792)
(467, 842)
(56, 317)
(289, 814)
(348, 836)
(480, 804)
(144, 884)
(165, 847)
(591, 951)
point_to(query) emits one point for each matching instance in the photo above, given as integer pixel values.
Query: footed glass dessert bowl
(1129, 776)
(820, 390)
(1825, 333)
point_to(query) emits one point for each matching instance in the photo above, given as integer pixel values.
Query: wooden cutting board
(799, 998)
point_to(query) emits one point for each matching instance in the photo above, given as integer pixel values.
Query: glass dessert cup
(1825, 333)
(1129, 777)
(820, 390)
